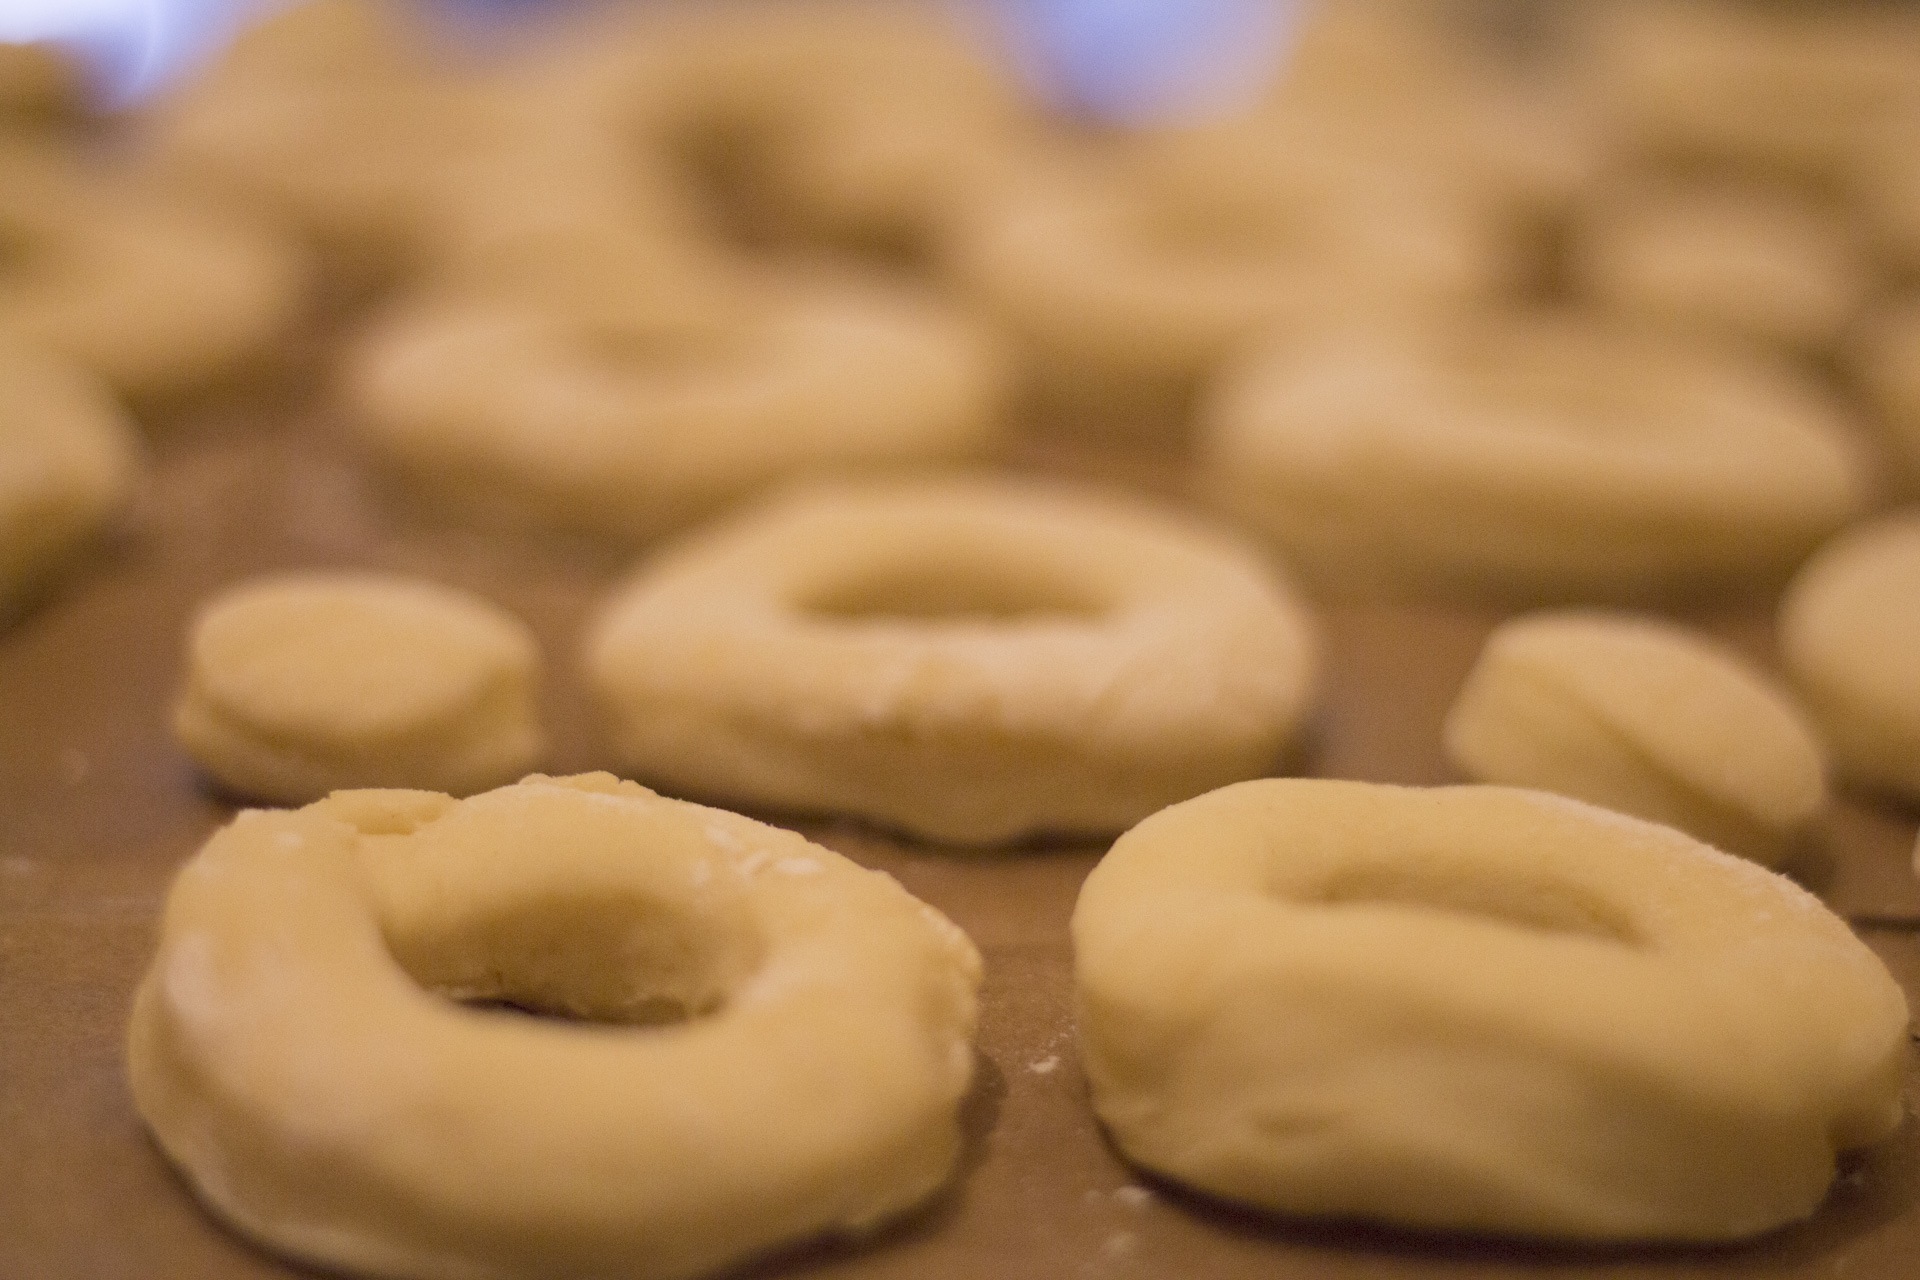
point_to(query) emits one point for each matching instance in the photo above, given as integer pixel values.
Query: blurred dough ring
(509, 414)
(969, 661)
(1127, 294)
(1477, 1008)
(159, 297)
(293, 1054)
(1535, 460)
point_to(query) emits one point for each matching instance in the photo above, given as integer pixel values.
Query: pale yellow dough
(792, 1035)
(1728, 260)
(1535, 457)
(970, 661)
(1850, 639)
(1646, 717)
(1478, 1009)
(516, 413)
(69, 464)
(302, 684)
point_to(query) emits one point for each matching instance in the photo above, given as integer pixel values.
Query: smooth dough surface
(513, 414)
(1647, 717)
(969, 660)
(302, 684)
(69, 464)
(775, 1046)
(1477, 1009)
(1850, 638)
(1532, 459)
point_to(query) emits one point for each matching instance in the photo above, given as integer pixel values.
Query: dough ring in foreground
(968, 661)
(1850, 638)
(1532, 459)
(69, 462)
(1646, 717)
(305, 683)
(1480, 1009)
(798, 1040)
(512, 415)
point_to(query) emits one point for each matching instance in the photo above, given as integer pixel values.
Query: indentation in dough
(954, 590)
(1537, 905)
(623, 959)
(641, 349)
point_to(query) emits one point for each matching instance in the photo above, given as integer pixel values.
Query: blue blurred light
(1141, 61)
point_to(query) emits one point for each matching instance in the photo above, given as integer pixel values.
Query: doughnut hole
(956, 590)
(1538, 906)
(628, 960)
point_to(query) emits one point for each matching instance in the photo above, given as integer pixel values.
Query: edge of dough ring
(1477, 1009)
(294, 1054)
(970, 660)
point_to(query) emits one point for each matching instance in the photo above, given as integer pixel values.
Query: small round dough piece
(969, 661)
(69, 463)
(1737, 260)
(306, 683)
(1850, 640)
(792, 1039)
(512, 414)
(1532, 458)
(1477, 1009)
(1647, 717)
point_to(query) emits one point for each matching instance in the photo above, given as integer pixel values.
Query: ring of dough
(69, 464)
(105, 274)
(968, 661)
(1480, 1009)
(1127, 286)
(511, 414)
(1850, 639)
(1530, 459)
(800, 1040)
(305, 683)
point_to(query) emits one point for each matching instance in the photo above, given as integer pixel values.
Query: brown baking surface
(97, 808)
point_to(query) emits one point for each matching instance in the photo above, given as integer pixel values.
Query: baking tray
(98, 807)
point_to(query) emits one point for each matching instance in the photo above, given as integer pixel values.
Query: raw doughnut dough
(1126, 285)
(1534, 458)
(1742, 261)
(510, 413)
(802, 1040)
(968, 661)
(69, 462)
(161, 296)
(1850, 638)
(1645, 717)
(1787, 90)
(1476, 1009)
(302, 684)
